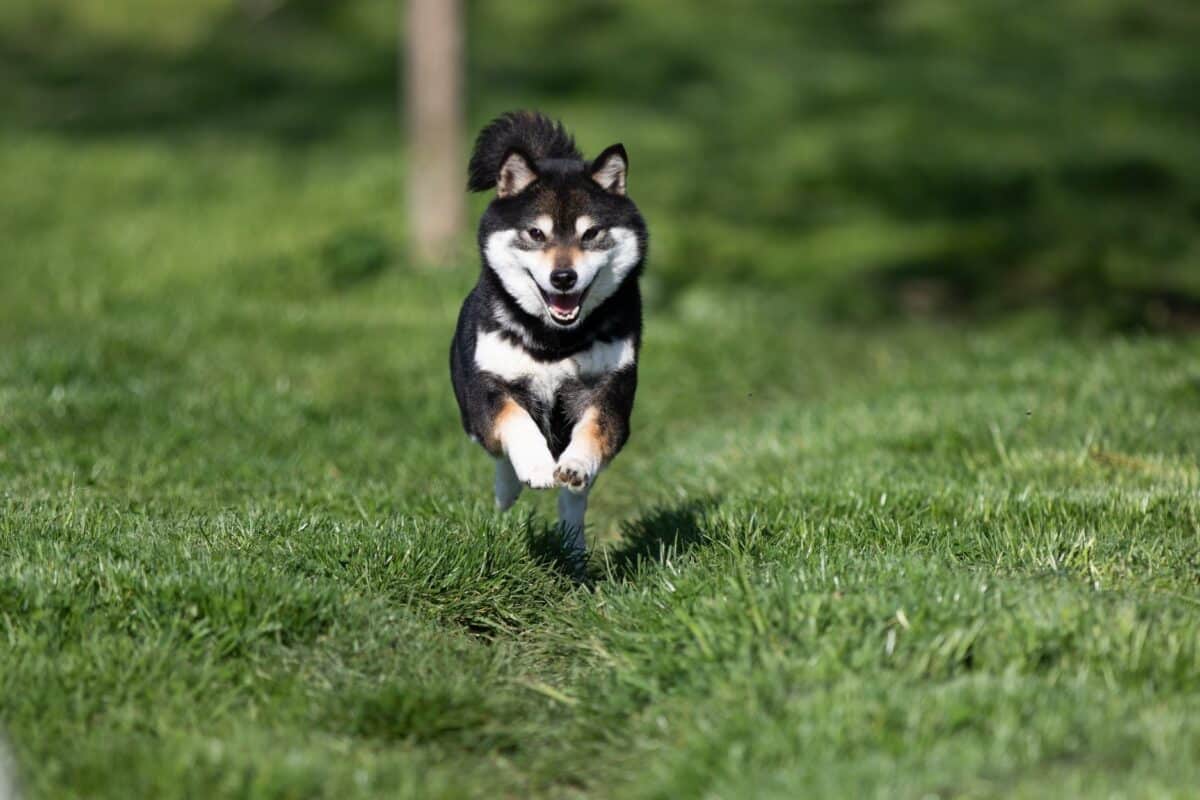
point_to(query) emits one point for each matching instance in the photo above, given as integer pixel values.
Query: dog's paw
(574, 473)
(538, 475)
(531, 462)
(541, 479)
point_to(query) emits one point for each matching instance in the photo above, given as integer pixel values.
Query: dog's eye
(536, 234)
(589, 235)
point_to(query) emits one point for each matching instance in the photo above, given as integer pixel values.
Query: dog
(544, 356)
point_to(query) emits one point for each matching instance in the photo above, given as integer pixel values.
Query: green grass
(246, 551)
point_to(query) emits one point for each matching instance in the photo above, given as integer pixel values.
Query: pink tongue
(564, 302)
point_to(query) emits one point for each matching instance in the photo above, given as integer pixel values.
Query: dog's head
(561, 234)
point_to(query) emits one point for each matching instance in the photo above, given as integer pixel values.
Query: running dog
(544, 357)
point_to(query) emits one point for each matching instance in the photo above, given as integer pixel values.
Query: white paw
(539, 475)
(529, 456)
(575, 472)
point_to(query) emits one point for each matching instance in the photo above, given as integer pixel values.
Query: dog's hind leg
(508, 486)
(572, 506)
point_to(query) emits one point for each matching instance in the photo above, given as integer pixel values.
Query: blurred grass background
(881, 158)
(246, 551)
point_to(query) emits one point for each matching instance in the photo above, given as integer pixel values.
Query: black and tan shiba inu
(544, 358)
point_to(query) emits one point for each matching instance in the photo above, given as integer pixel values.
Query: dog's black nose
(563, 279)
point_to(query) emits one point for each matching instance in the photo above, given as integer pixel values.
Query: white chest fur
(499, 356)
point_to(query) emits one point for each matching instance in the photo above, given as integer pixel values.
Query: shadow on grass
(663, 533)
(546, 547)
(657, 536)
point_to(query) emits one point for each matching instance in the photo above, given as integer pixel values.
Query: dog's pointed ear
(610, 167)
(516, 173)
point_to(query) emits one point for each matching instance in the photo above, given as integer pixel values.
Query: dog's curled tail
(535, 135)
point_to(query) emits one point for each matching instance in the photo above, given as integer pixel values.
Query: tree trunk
(434, 112)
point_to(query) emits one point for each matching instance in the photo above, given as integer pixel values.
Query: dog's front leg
(581, 461)
(593, 443)
(576, 471)
(524, 447)
(600, 431)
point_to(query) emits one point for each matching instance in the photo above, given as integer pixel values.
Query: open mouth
(563, 308)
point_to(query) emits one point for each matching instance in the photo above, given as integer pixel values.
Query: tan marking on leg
(587, 453)
(492, 439)
(595, 433)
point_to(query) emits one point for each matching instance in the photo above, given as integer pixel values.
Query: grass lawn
(247, 551)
